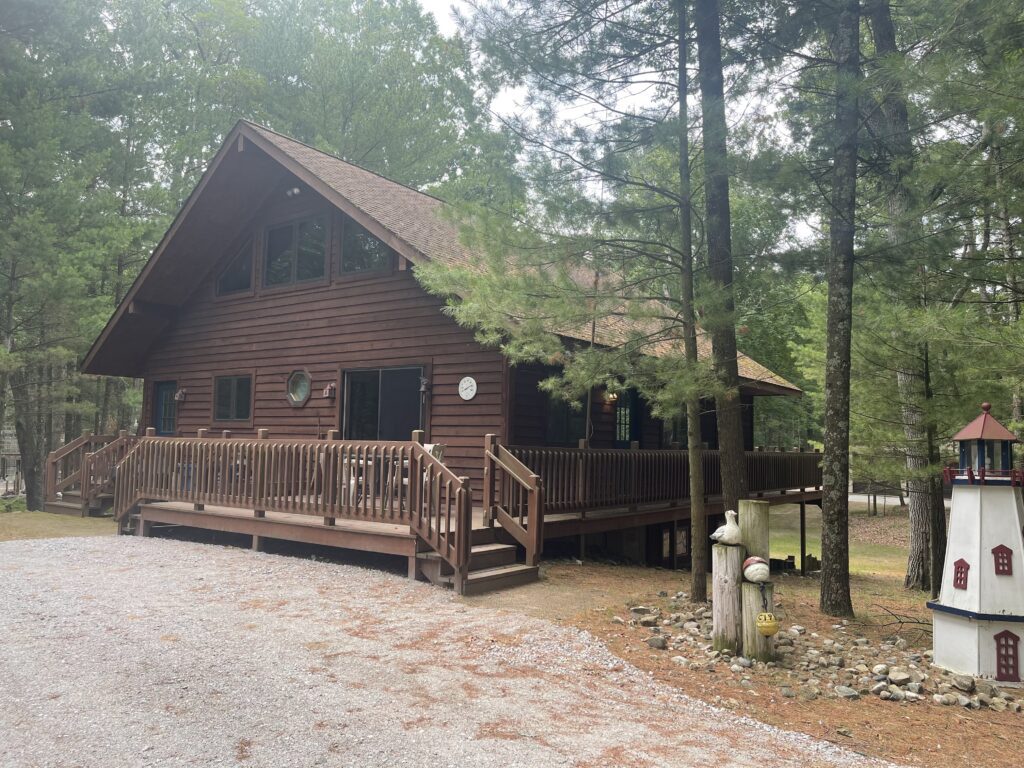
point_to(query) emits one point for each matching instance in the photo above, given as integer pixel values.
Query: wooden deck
(397, 498)
(564, 524)
(492, 560)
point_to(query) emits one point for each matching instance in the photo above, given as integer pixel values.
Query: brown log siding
(347, 322)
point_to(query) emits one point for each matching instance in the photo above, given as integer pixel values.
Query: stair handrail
(441, 507)
(54, 485)
(99, 467)
(514, 497)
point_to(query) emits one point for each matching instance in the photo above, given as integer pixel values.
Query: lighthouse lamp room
(978, 618)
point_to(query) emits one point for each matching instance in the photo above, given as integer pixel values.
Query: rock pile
(810, 666)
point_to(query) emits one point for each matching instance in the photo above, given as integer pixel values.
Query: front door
(165, 409)
(383, 403)
(627, 419)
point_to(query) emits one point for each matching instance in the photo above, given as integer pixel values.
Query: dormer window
(1002, 557)
(295, 252)
(362, 252)
(960, 569)
(237, 275)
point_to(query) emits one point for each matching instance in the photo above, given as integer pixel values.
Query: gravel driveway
(122, 651)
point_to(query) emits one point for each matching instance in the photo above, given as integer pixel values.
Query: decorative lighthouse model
(978, 620)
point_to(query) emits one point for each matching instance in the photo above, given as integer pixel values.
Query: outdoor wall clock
(467, 388)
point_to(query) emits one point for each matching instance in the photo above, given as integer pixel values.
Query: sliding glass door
(383, 403)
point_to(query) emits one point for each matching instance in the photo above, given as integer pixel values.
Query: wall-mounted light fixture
(292, 192)
(180, 395)
(331, 391)
(611, 397)
(424, 385)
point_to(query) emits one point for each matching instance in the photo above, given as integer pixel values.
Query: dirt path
(128, 652)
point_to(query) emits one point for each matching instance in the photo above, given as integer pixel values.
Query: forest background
(110, 110)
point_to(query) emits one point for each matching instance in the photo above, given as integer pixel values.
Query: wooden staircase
(493, 564)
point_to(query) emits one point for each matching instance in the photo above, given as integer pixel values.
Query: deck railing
(97, 476)
(586, 479)
(514, 497)
(376, 481)
(64, 465)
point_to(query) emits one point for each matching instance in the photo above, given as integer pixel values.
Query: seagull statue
(728, 533)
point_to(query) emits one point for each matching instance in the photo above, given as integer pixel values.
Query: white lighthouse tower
(978, 620)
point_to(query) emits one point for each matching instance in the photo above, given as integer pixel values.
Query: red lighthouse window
(960, 569)
(1003, 557)
(1007, 657)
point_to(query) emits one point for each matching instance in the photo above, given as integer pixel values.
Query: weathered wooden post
(754, 527)
(754, 530)
(726, 606)
(755, 645)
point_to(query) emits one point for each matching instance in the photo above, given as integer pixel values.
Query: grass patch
(20, 524)
(868, 554)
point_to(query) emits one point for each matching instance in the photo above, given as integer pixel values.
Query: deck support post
(803, 538)
(144, 528)
(726, 606)
(257, 543)
(413, 567)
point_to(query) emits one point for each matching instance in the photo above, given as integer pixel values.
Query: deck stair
(70, 503)
(493, 564)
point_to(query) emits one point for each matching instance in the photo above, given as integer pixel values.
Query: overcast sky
(442, 10)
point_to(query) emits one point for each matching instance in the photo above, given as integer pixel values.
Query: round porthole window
(299, 387)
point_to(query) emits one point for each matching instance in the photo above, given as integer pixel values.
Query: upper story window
(232, 398)
(237, 276)
(296, 252)
(362, 252)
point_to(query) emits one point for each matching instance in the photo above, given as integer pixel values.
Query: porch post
(535, 521)
(200, 434)
(260, 481)
(803, 538)
(490, 448)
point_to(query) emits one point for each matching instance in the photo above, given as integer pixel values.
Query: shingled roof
(411, 221)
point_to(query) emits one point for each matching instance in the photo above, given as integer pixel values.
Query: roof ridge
(381, 176)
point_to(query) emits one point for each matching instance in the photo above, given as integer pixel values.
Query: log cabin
(296, 374)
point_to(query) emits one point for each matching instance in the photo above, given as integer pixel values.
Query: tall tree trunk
(27, 429)
(912, 375)
(938, 502)
(698, 519)
(835, 546)
(717, 227)
(919, 485)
